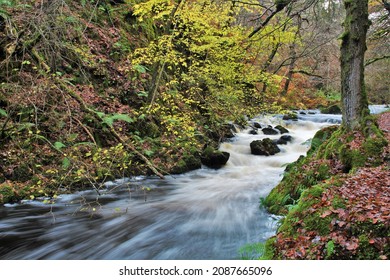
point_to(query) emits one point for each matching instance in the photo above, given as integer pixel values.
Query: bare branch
(373, 60)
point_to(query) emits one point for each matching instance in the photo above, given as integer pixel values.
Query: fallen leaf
(351, 246)
(326, 214)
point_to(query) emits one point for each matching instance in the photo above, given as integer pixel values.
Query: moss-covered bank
(334, 200)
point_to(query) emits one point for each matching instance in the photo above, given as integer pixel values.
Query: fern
(109, 120)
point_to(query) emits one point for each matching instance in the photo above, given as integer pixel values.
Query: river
(203, 214)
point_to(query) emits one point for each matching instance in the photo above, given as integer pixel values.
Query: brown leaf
(326, 214)
(341, 223)
(350, 246)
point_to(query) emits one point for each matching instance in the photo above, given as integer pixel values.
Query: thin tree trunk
(353, 47)
(293, 55)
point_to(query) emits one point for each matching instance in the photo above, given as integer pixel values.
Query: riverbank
(336, 200)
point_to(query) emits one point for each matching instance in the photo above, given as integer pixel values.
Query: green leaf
(59, 145)
(142, 94)
(3, 113)
(100, 114)
(140, 68)
(109, 120)
(148, 153)
(6, 3)
(65, 163)
(72, 136)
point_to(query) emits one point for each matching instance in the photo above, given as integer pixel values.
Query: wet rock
(290, 116)
(253, 132)
(333, 109)
(281, 129)
(265, 147)
(284, 139)
(270, 131)
(213, 158)
(187, 163)
(257, 125)
(232, 127)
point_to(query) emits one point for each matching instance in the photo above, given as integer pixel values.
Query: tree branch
(279, 7)
(304, 72)
(373, 60)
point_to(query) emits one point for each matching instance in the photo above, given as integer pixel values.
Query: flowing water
(203, 214)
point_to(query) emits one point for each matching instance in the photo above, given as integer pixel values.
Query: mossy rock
(187, 163)
(294, 183)
(282, 129)
(214, 158)
(265, 147)
(333, 109)
(369, 153)
(320, 137)
(8, 194)
(290, 117)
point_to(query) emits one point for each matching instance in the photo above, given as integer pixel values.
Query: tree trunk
(290, 72)
(353, 47)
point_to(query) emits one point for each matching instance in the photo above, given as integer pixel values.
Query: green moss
(338, 202)
(300, 215)
(320, 137)
(313, 222)
(369, 153)
(252, 251)
(269, 250)
(366, 250)
(293, 184)
(333, 109)
(7, 194)
(330, 249)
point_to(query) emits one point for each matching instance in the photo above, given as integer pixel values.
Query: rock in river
(213, 158)
(265, 147)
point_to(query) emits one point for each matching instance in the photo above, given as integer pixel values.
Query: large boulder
(214, 158)
(265, 147)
